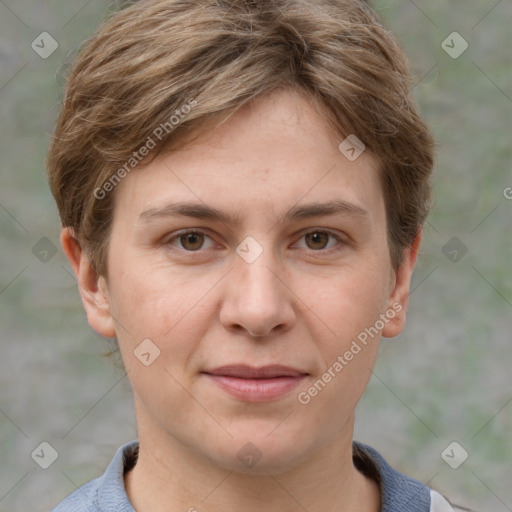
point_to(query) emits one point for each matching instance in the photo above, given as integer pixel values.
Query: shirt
(399, 493)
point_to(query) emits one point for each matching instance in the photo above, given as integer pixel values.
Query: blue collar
(399, 493)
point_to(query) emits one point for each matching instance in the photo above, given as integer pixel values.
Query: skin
(300, 304)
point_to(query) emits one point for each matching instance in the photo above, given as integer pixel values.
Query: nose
(257, 299)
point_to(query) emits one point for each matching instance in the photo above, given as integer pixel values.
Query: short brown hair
(147, 61)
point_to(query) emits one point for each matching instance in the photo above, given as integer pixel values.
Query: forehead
(268, 157)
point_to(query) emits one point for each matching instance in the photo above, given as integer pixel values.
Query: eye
(190, 241)
(317, 240)
(193, 240)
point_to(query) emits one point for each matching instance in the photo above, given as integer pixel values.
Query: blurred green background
(445, 379)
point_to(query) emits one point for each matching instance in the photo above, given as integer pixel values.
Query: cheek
(351, 307)
(166, 307)
(355, 299)
(145, 295)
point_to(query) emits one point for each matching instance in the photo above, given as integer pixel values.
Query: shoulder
(84, 499)
(106, 493)
(398, 491)
(440, 504)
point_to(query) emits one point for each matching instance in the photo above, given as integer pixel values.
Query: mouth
(251, 384)
(250, 372)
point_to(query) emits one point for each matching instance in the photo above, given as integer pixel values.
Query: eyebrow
(203, 211)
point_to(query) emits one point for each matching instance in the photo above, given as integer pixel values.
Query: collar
(399, 493)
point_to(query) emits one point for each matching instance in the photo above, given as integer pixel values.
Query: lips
(251, 384)
(249, 372)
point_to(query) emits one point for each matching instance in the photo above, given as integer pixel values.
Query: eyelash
(168, 242)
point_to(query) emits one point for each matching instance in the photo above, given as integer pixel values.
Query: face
(253, 260)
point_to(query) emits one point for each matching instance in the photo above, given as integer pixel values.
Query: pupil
(317, 238)
(192, 239)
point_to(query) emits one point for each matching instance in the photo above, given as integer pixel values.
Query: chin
(261, 454)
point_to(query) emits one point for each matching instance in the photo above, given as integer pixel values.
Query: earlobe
(92, 287)
(399, 298)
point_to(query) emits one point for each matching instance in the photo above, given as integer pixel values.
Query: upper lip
(251, 372)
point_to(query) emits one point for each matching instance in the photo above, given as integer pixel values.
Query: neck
(171, 476)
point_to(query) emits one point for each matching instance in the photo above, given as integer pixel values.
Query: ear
(398, 300)
(92, 287)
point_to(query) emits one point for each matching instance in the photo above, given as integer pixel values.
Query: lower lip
(256, 390)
